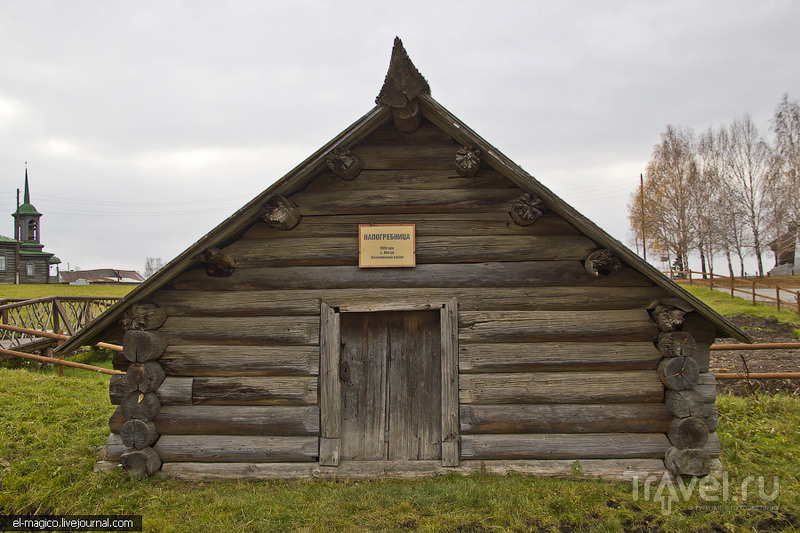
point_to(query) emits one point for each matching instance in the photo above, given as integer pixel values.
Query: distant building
(787, 253)
(100, 276)
(34, 263)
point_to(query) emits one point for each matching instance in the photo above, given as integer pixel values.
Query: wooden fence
(56, 314)
(792, 300)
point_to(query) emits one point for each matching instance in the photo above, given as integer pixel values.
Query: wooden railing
(750, 291)
(56, 314)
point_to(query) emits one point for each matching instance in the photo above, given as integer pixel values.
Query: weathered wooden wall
(554, 363)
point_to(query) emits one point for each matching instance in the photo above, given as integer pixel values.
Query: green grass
(52, 431)
(42, 290)
(725, 305)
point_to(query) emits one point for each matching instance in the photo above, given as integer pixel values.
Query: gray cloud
(147, 123)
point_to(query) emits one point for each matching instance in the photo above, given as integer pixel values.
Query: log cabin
(407, 302)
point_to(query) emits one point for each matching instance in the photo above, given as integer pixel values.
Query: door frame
(330, 389)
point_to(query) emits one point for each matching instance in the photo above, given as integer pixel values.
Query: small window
(2, 263)
(30, 269)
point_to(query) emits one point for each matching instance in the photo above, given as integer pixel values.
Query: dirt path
(762, 330)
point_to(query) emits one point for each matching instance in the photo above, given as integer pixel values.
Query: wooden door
(390, 372)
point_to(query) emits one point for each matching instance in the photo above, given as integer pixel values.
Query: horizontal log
(385, 201)
(511, 274)
(707, 386)
(238, 420)
(175, 391)
(255, 391)
(406, 157)
(233, 449)
(116, 421)
(613, 469)
(273, 330)
(207, 360)
(253, 253)
(307, 302)
(712, 446)
(427, 225)
(115, 447)
(434, 179)
(194, 471)
(564, 446)
(634, 386)
(426, 134)
(702, 356)
(560, 418)
(701, 329)
(542, 356)
(539, 326)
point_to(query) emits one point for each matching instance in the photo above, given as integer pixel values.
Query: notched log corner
(468, 161)
(527, 209)
(601, 263)
(281, 213)
(143, 316)
(668, 314)
(344, 164)
(218, 265)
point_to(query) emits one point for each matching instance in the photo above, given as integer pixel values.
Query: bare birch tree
(748, 167)
(785, 192)
(669, 197)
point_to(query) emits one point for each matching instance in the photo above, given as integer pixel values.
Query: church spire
(27, 198)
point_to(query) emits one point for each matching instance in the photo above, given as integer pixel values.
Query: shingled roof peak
(403, 81)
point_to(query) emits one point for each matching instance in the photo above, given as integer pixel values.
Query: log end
(141, 463)
(344, 164)
(527, 209)
(687, 462)
(601, 263)
(218, 264)
(468, 161)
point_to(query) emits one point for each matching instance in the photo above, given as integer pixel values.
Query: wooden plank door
(390, 374)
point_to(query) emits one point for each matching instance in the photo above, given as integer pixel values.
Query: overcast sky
(145, 124)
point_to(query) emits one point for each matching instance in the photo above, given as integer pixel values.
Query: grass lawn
(39, 291)
(52, 431)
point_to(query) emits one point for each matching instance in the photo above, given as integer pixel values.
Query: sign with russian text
(386, 245)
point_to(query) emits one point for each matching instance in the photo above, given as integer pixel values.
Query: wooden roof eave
(228, 229)
(436, 113)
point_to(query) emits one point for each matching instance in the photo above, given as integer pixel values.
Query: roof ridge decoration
(401, 87)
(403, 81)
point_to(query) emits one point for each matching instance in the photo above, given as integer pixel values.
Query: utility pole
(641, 197)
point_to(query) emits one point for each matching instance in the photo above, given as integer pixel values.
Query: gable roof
(306, 171)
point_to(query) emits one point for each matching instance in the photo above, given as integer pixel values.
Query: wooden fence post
(690, 278)
(797, 296)
(778, 297)
(754, 292)
(731, 285)
(711, 281)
